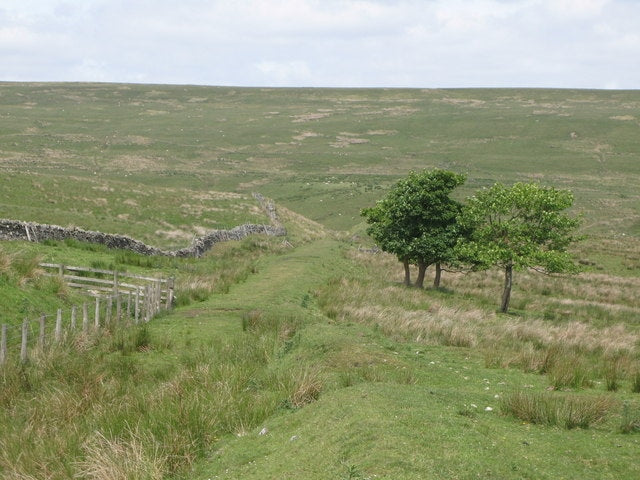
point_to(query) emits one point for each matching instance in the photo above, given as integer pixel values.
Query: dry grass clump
(5, 261)
(135, 457)
(442, 325)
(193, 288)
(21, 267)
(307, 386)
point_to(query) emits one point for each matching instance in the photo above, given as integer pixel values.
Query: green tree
(417, 221)
(518, 227)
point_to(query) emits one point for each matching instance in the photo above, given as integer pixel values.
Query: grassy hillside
(151, 159)
(308, 358)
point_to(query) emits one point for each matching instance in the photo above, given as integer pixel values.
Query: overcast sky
(325, 43)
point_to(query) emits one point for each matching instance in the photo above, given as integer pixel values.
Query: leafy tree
(518, 227)
(417, 221)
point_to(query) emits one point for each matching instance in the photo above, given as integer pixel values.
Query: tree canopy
(417, 220)
(518, 227)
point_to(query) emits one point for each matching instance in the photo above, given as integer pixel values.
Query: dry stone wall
(38, 232)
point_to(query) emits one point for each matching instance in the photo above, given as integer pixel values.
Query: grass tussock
(5, 261)
(567, 411)
(27, 268)
(308, 385)
(630, 419)
(134, 456)
(20, 267)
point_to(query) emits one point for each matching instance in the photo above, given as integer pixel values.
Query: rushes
(568, 411)
(630, 419)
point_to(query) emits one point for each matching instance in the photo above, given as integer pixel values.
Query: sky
(325, 43)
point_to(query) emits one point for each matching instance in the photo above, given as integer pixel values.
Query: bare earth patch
(215, 195)
(76, 137)
(307, 134)
(346, 140)
(382, 132)
(624, 118)
(400, 111)
(467, 102)
(305, 117)
(131, 140)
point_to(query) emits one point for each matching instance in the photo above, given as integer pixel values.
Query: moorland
(306, 357)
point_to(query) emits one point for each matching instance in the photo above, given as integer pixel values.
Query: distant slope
(144, 155)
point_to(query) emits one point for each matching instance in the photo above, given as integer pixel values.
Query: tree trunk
(422, 268)
(407, 273)
(508, 281)
(436, 280)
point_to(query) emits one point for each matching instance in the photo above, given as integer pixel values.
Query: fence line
(108, 280)
(128, 303)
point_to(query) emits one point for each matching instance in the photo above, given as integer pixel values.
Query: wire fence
(116, 304)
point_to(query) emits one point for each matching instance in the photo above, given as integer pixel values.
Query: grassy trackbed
(397, 408)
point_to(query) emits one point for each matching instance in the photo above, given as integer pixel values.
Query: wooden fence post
(118, 308)
(170, 286)
(73, 317)
(107, 318)
(96, 315)
(42, 337)
(59, 325)
(24, 356)
(157, 297)
(115, 282)
(3, 344)
(137, 307)
(147, 304)
(85, 318)
(129, 307)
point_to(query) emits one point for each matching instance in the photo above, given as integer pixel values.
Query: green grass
(315, 344)
(188, 395)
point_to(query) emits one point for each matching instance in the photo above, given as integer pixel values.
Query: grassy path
(281, 285)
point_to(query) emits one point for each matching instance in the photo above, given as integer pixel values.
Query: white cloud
(576, 8)
(564, 43)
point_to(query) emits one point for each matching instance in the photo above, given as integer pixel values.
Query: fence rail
(116, 303)
(96, 280)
